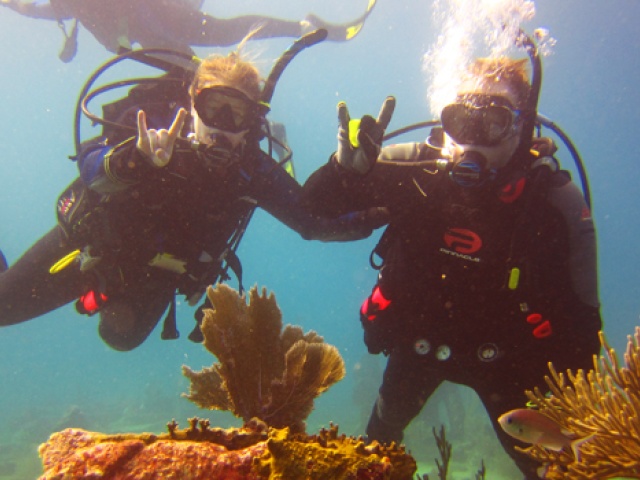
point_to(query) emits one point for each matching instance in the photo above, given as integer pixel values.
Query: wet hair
(230, 71)
(511, 72)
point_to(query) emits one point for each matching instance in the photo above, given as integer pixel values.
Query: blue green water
(55, 366)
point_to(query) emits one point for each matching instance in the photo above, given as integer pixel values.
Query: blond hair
(513, 73)
(229, 70)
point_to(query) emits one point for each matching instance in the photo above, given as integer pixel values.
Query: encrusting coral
(601, 409)
(263, 371)
(200, 452)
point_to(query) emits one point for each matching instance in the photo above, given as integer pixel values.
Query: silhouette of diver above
(175, 24)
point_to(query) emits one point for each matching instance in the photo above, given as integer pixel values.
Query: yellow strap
(64, 262)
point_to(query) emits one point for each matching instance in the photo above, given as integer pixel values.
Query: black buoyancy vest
(451, 260)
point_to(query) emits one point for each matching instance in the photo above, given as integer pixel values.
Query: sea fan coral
(601, 409)
(264, 371)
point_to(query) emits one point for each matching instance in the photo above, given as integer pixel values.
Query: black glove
(544, 146)
(359, 141)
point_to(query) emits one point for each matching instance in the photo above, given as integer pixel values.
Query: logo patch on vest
(462, 243)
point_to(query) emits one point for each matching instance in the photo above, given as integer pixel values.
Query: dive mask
(479, 120)
(226, 108)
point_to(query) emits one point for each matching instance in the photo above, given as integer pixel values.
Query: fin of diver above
(3, 262)
(70, 46)
(337, 32)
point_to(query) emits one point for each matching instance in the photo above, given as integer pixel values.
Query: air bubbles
(471, 29)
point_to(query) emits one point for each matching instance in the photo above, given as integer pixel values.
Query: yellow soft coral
(603, 408)
(263, 370)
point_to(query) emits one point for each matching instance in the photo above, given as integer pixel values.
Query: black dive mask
(479, 120)
(226, 108)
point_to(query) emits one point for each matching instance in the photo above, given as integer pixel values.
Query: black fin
(3, 262)
(169, 328)
(70, 46)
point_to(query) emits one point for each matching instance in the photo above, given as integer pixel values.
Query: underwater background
(56, 372)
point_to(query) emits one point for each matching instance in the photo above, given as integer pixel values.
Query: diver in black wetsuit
(159, 212)
(488, 267)
(175, 24)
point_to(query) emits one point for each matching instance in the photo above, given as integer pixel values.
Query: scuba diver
(162, 211)
(174, 24)
(487, 269)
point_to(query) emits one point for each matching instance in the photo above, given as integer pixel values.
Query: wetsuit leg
(127, 319)
(504, 391)
(28, 290)
(166, 23)
(406, 387)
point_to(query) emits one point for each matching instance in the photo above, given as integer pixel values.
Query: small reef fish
(531, 426)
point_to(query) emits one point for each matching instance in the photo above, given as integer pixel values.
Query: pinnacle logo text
(462, 243)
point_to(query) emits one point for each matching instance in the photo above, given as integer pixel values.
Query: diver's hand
(377, 217)
(157, 145)
(359, 141)
(544, 146)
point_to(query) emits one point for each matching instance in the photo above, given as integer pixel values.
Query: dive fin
(3, 262)
(169, 328)
(70, 46)
(339, 32)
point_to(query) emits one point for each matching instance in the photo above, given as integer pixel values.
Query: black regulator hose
(145, 56)
(303, 42)
(531, 108)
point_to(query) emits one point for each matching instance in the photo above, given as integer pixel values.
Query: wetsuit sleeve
(107, 169)
(582, 241)
(577, 306)
(331, 190)
(281, 195)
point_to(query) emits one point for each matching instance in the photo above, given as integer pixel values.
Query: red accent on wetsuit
(90, 303)
(374, 304)
(543, 330)
(534, 318)
(512, 191)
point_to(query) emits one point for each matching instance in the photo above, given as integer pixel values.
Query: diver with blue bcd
(162, 212)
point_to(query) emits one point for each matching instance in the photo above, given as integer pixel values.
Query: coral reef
(267, 375)
(264, 371)
(445, 448)
(601, 409)
(200, 452)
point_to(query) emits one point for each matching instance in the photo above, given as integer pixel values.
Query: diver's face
(222, 110)
(484, 119)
